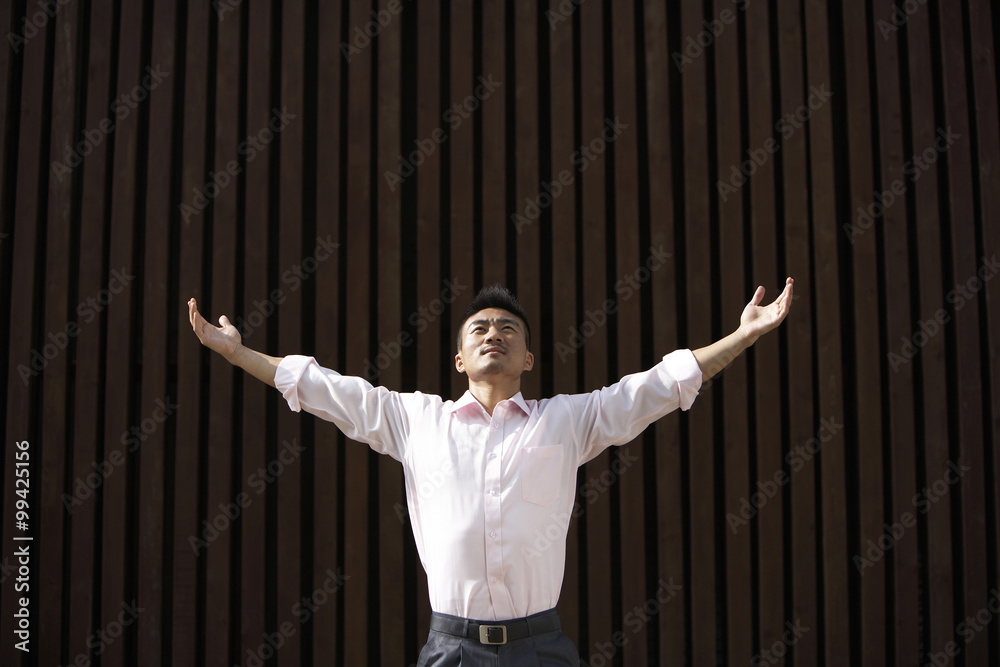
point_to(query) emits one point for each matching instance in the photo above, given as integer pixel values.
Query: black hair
(495, 296)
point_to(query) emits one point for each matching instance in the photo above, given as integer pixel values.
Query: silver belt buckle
(484, 634)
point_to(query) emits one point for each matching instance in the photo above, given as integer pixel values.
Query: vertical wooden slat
(328, 311)
(157, 404)
(660, 73)
(528, 183)
(802, 422)
(493, 118)
(430, 328)
(293, 255)
(983, 99)
(220, 442)
(390, 475)
(359, 301)
(88, 394)
(117, 591)
(932, 427)
(462, 220)
(833, 627)
(732, 298)
(186, 618)
(254, 567)
(867, 380)
(698, 289)
(632, 263)
(966, 262)
(22, 385)
(904, 605)
(51, 443)
(764, 131)
(563, 360)
(595, 373)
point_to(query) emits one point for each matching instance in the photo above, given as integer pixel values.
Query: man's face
(493, 345)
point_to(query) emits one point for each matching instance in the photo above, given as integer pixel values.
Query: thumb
(757, 296)
(224, 321)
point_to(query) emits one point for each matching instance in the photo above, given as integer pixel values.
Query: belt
(497, 632)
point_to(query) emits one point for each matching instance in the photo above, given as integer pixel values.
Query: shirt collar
(469, 399)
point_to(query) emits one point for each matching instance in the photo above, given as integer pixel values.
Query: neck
(490, 393)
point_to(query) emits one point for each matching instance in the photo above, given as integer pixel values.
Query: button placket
(493, 535)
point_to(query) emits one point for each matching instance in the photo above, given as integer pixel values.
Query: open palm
(224, 339)
(757, 320)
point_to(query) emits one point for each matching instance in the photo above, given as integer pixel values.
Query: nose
(493, 335)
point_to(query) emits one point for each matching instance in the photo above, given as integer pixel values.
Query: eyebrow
(502, 320)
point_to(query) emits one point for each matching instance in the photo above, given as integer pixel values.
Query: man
(486, 472)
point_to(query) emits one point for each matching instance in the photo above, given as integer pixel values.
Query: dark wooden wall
(140, 438)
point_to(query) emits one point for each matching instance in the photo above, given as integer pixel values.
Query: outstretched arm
(755, 322)
(226, 341)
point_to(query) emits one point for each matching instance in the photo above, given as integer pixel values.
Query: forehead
(496, 316)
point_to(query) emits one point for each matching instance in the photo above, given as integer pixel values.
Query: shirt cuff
(680, 366)
(287, 376)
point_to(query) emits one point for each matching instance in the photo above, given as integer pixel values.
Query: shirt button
(494, 492)
(493, 534)
(493, 580)
(493, 455)
(496, 425)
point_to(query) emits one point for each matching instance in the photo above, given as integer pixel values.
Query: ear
(459, 364)
(529, 361)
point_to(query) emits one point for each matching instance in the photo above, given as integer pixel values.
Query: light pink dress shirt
(481, 490)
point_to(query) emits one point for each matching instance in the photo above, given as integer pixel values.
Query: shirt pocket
(541, 473)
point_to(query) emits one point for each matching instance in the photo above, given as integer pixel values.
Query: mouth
(493, 349)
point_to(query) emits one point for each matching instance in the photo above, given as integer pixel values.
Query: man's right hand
(225, 340)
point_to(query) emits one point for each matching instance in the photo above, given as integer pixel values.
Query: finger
(224, 321)
(757, 296)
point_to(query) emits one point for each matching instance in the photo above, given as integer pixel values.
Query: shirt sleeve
(372, 415)
(615, 415)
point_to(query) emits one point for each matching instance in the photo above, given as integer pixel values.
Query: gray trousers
(549, 649)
